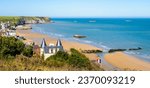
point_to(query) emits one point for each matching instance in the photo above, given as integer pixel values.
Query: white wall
(47, 55)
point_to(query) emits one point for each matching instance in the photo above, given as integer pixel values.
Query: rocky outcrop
(139, 48)
(91, 51)
(33, 20)
(130, 49)
(115, 50)
(21, 20)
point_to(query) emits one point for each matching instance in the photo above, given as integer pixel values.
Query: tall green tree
(10, 46)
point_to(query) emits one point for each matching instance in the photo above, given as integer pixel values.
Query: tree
(10, 46)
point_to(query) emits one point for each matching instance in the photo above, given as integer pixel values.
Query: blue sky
(76, 8)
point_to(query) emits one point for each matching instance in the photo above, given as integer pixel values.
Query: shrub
(10, 46)
(28, 51)
(75, 59)
(78, 60)
(59, 56)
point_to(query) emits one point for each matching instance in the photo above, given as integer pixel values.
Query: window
(51, 50)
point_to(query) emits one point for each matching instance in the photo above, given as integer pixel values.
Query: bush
(75, 59)
(22, 63)
(28, 51)
(10, 46)
(59, 56)
(78, 60)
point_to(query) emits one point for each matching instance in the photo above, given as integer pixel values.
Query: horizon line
(75, 16)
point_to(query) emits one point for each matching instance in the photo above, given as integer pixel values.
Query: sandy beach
(127, 62)
(118, 59)
(37, 38)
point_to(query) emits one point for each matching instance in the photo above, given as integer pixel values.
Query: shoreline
(37, 38)
(128, 62)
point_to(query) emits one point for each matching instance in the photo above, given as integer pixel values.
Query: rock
(139, 48)
(79, 36)
(92, 51)
(115, 50)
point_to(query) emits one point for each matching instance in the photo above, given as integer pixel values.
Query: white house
(12, 33)
(5, 31)
(5, 25)
(8, 33)
(50, 50)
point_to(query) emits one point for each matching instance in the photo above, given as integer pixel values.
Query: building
(36, 50)
(5, 25)
(8, 33)
(11, 33)
(50, 50)
(2, 33)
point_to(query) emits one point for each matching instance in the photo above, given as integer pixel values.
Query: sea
(105, 33)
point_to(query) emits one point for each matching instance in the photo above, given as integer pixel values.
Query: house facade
(5, 25)
(49, 50)
(5, 31)
(8, 33)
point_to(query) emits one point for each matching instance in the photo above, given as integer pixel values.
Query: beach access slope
(127, 62)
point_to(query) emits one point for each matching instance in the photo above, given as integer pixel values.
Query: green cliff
(14, 20)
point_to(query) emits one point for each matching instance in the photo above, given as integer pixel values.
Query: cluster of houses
(5, 28)
(6, 31)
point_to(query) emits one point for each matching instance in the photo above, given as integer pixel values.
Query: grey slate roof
(58, 43)
(47, 48)
(43, 44)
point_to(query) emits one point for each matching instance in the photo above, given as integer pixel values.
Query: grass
(15, 19)
(15, 56)
(22, 63)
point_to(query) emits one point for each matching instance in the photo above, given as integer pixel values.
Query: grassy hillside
(22, 63)
(35, 18)
(15, 19)
(15, 56)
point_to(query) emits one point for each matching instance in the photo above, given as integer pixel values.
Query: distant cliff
(20, 20)
(34, 20)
